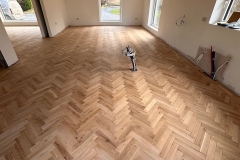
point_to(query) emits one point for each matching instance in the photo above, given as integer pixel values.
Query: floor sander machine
(130, 52)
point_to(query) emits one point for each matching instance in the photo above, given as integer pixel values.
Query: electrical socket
(204, 19)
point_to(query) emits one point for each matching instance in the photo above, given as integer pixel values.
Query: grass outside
(158, 14)
(115, 11)
(30, 11)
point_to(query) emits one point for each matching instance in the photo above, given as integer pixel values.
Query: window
(231, 6)
(156, 13)
(110, 10)
(17, 10)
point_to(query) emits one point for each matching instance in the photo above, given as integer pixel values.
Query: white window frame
(17, 22)
(107, 21)
(152, 12)
(1, 15)
(227, 10)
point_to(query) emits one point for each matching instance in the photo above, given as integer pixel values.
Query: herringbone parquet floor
(74, 97)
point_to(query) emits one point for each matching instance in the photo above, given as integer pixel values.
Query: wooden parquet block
(74, 97)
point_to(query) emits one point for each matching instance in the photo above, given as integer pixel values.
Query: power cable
(180, 21)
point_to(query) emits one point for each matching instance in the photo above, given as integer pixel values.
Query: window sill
(215, 24)
(154, 28)
(20, 23)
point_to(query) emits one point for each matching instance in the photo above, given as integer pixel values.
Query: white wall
(55, 15)
(195, 32)
(6, 46)
(88, 12)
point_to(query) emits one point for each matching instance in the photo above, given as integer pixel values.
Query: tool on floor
(130, 52)
(212, 62)
(215, 69)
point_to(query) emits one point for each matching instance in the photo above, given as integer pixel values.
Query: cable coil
(180, 21)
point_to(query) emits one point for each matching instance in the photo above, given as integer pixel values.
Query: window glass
(156, 13)
(17, 10)
(233, 6)
(110, 10)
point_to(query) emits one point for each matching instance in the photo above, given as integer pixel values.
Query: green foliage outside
(25, 4)
(158, 14)
(115, 11)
